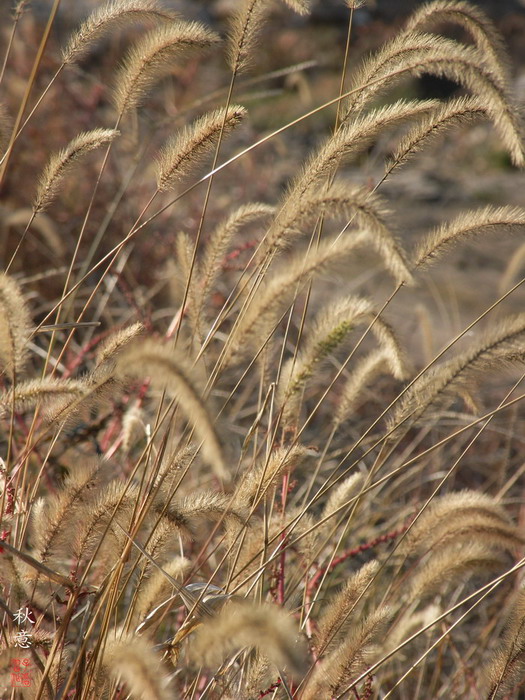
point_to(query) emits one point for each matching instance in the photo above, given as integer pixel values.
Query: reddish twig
(84, 350)
(388, 537)
(367, 689)
(274, 686)
(145, 316)
(236, 253)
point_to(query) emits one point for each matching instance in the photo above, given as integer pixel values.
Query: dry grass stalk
(168, 368)
(291, 532)
(349, 141)
(191, 513)
(504, 671)
(498, 347)
(50, 394)
(413, 53)
(133, 426)
(340, 495)
(114, 502)
(377, 362)
(183, 152)
(49, 519)
(62, 400)
(482, 30)
(452, 113)
(302, 7)
(255, 482)
(43, 224)
(267, 628)
(455, 517)
(104, 19)
(157, 588)
(258, 320)
(329, 330)
(131, 660)
(180, 275)
(210, 505)
(108, 352)
(341, 608)
(15, 326)
(245, 24)
(357, 204)
(184, 255)
(171, 467)
(349, 659)
(416, 53)
(453, 564)
(160, 546)
(411, 622)
(151, 59)
(61, 163)
(5, 128)
(465, 226)
(513, 269)
(218, 244)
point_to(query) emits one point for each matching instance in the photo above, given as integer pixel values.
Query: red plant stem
(84, 350)
(245, 246)
(282, 558)
(394, 534)
(274, 686)
(130, 297)
(10, 499)
(110, 432)
(367, 688)
(236, 253)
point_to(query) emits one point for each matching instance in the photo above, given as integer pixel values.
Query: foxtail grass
(242, 457)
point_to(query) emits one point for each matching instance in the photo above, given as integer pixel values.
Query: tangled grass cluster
(221, 476)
